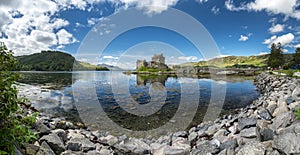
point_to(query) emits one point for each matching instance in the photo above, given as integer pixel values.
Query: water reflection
(134, 102)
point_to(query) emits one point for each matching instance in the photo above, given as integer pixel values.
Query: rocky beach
(268, 126)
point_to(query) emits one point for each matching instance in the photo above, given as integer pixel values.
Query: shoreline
(260, 128)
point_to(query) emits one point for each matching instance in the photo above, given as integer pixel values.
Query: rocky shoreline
(267, 126)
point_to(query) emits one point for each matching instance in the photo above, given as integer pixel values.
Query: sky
(235, 27)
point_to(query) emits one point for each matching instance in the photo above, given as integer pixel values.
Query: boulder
(30, 148)
(296, 94)
(246, 123)
(264, 114)
(248, 133)
(80, 144)
(54, 142)
(282, 121)
(45, 149)
(252, 148)
(265, 134)
(205, 147)
(109, 140)
(288, 139)
(133, 145)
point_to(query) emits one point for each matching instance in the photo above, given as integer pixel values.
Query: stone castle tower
(157, 62)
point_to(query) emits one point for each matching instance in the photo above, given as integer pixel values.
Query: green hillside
(237, 61)
(53, 61)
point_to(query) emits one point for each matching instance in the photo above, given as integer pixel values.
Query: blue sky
(237, 27)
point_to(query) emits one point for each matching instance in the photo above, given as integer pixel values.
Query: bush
(14, 125)
(298, 113)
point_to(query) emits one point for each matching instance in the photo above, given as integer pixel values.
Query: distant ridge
(111, 67)
(53, 61)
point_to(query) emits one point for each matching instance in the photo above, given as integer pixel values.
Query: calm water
(110, 100)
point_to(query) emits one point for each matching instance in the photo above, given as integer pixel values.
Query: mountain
(110, 67)
(237, 61)
(53, 61)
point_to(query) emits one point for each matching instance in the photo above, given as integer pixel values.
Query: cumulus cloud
(64, 37)
(243, 38)
(297, 46)
(201, 1)
(215, 10)
(285, 7)
(263, 53)
(276, 28)
(284, 39)
(188, 58)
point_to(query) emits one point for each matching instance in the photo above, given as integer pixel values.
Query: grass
(145, 69)
(289, 72)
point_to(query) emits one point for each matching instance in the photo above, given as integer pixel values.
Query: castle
(157, 62)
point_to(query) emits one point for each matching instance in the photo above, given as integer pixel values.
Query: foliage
(276, 58)
(298, 113)
(53, 61)
(145, 69)
(14, 126)
(296, 59)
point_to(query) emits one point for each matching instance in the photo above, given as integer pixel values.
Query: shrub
(298, 113)
(14, 125)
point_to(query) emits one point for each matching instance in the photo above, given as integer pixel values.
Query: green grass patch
(145, 69)
(298, 113)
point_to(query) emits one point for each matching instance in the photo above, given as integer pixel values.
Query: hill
(53, 61)
(110, 67)
(258, 61)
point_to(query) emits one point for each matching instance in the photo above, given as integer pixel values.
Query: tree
(276, 56)
(296, 58)
(14, 125)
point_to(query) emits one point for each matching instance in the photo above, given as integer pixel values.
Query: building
(158, 62)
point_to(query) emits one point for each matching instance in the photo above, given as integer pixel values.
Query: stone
(80, 144)
(41, 128)
(45, 149)
(296, 94)
(281, 121)
(192, 136)
(93, 152)
(294, 105)
(54, 142)
(104, 151)
(229, 144)
(171, 151)
(264, 114)
(31, 149)
(180, 134)
(212, 129)
(283, 108)
(252, 148)
(109, 140)
(265, 134)
(181, 143)
(248, 133)
(61, 133)
(69, 152)
(158, 149)
(287, 139)
(133, 145)
(205, 147)
(246, 123)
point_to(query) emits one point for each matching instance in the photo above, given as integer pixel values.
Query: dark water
(104, 100)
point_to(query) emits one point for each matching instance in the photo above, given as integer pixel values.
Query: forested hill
(53, 61)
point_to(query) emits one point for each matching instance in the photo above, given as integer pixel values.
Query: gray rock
(282, 121)
(181, 144)
(205, 147)
(264, 114)
(80, 144)
(252, 148)
(94, 152)
(229, 144)
(45, 149)
(61, 133)
(288, 139)
(212, 129)
(265, 134)
(246, 123)
(54, 142)
(31, 149)
(133, 145)
(248, 133)
(282, 108)
(41, 128)
(172, 151)
(157, 148)
(180, 134)
(109, 140)
(192, 136)
(296, 94)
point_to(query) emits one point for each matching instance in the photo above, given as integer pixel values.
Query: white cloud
(263, 53)
(93, 21)
(285, 7)
(284, 39)
(276, 28)
(243, 38)
(64, 37)
(215, 10)
(188, 58)
(201, 1)
(110, 57)
(151, 6)
(297, 46)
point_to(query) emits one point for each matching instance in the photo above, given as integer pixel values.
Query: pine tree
(276, 56)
